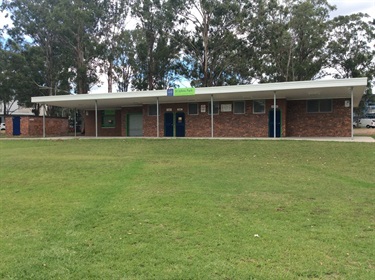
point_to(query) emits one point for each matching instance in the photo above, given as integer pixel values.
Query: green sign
(184, 91)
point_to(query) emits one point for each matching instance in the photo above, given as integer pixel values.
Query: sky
(347, 7)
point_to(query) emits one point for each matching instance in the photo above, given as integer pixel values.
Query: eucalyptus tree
(213, 49)
(156, 47)
(125, 60)
(33, 23)
(9, 63)
(351, 50)
(309, 24)
(288, 38)
(77, 25)
(351, 47)
(19, 73)
(111, 38)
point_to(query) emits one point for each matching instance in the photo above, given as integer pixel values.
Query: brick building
(33, 126)
(321, 108)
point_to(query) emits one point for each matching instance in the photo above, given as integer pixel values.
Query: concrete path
(357, 139)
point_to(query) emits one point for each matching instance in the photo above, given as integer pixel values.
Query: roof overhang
(305, 90)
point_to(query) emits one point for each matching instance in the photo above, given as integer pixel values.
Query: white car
(366, 123)
(2, 126)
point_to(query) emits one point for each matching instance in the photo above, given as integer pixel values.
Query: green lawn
(186, 209)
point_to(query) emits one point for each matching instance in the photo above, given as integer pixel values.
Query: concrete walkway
(357, 139)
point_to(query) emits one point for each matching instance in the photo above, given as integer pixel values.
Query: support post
(96, 118)
(75, 122)
(274, 114)
(212, 116)
(44, 120)
(351, 112)
(157, 117)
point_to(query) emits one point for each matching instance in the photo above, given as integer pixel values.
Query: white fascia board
(271, 87)
(300, 85)
(101, 96)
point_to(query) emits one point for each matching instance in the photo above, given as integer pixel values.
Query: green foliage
(186, 209)
(19, 73)
(213, 53)
(288, 37)
(350, 51)
(156, 50)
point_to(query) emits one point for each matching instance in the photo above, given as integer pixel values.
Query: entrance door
(168, 124)
(135, 125)
(16, 125)
(180, 124)
(271, 123)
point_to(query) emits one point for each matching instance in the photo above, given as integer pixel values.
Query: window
(239, 107)
(108, 118)
(259, 106)
(216, 108)
(319, 106)
(152, 110)
(193, 109)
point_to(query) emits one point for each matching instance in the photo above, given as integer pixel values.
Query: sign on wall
(226, 107)
(180, 91)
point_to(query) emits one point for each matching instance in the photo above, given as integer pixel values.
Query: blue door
(168, 124)
(271, 123)
(180, 124)
(16, 125)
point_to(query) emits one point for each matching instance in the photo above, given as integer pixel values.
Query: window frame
(244, 107)
(149, 111)
(108, 120)
(264, 106)
(319, 110)
(197, 109)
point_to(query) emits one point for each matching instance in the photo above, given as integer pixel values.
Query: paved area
(358, 139)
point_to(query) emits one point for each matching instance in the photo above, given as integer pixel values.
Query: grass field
(186, 209)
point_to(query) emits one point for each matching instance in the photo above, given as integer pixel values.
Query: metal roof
(317, 89)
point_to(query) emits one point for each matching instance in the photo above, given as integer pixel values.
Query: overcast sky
(347, 7)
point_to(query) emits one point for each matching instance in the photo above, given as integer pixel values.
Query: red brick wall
(295, 121)
(102, 131)
(334, 124)
(226, 124)
(33, 126)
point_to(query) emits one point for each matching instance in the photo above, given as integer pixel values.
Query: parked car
(366, 123)
(2, 126)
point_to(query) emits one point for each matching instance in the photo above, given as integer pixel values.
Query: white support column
(351, 112)
(96, 118)
(44, 120)
(157, 117)
(274, 114)
(75, 122)
(212, 116)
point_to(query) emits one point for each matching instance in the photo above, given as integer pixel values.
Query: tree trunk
(205, 45)
(81, 67)
(150, 73)
(110, 76)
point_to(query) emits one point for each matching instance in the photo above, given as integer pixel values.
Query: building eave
(317, 89)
